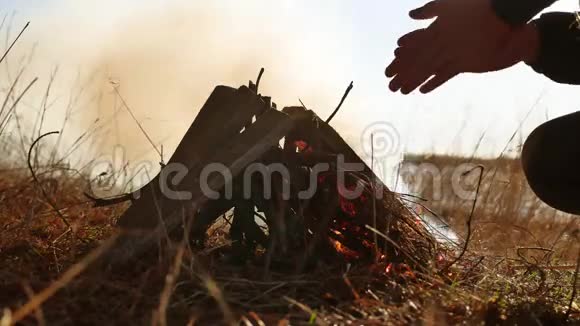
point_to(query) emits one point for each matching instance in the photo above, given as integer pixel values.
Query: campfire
(291, 184)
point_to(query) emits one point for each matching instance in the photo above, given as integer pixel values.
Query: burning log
(303, 206)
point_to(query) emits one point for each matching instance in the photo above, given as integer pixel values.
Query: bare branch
(469, 219)
(348, 89)
(46, 196)
(258, 80)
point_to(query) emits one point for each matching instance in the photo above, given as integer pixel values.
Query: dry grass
(490, 284)
(507, 216)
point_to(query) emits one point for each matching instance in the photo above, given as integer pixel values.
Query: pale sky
(310, 49)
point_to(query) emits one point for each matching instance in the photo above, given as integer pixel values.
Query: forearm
(558, 54)
(519, 12)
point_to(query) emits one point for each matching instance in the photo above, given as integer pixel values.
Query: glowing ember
(389, 268)
(401, 270)
(345, 251)
(348, 206)
(348, 223)
(406, 271)
(303, 146)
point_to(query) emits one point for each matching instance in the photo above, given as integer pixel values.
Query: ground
(47, 276)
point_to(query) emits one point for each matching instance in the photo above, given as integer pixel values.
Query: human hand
(466, 36)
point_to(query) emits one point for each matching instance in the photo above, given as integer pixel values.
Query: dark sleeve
(559, 53)
(519, 12)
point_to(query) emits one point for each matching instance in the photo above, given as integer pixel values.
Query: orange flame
(344, 250)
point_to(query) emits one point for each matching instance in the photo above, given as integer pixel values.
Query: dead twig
(396, 245)
(38, 312)
(14, 42)
(14, 104)
(469, 219)
(46, 196)
(216, 293)
(42, 113)
(348, 89)
(109, 201)
(258, 80)
(9, 95)
(170, 279)
(137, 121)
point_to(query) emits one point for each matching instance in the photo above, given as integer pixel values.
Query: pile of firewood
(238, 129)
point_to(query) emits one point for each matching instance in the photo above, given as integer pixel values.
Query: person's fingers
(414, 46)
(428, 11)
(402, 55)
(414, 37)
(414, 62)
(409, 53)
(428, 61)
(415, 81)
(398, 52)
(412, 70)
(396, 83)
(392, 68)
(438, 80)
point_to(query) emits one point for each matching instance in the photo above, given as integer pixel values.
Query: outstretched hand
(466, 36)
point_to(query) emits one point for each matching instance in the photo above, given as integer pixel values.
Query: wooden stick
(348, 89)
(258, 80)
